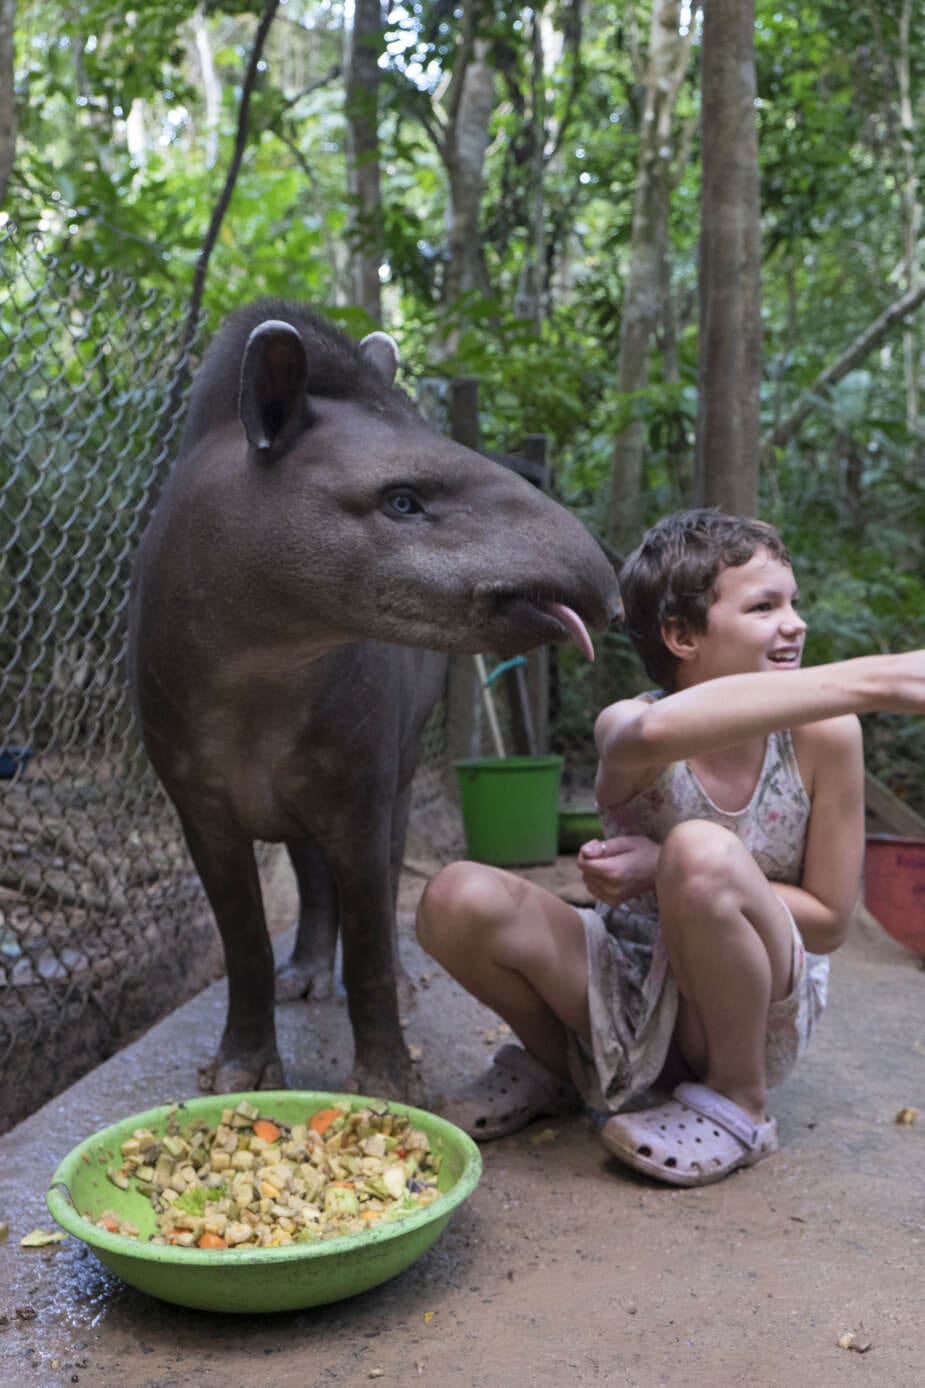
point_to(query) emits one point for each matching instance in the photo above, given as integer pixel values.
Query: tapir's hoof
(399, 1081)
(237, 1076)
(303, 981)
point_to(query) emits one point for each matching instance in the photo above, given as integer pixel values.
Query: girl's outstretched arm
(634, 735)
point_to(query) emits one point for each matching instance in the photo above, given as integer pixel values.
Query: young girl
(729, 872)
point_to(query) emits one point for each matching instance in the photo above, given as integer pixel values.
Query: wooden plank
(464, 413)
(533, 471)
(896, 816)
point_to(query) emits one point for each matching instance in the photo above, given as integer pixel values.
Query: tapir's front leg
(247, 1057)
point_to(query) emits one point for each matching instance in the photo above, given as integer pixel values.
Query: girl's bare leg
(516, 947)
(730, 943)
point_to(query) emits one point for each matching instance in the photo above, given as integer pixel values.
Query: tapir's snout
(521, 618)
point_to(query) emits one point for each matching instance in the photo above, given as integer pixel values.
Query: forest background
(686, 248)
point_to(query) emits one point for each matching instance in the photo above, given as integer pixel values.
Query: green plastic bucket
(510, 809)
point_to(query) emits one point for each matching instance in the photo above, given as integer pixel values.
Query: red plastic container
(894, 875)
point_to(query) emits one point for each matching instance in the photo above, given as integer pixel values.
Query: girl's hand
(619, 869)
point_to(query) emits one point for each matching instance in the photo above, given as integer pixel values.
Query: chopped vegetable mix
(256, 1182)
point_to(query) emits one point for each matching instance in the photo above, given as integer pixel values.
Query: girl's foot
(698, 1137)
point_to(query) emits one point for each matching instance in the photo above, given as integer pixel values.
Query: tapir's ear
(381, 352)
(274, 378)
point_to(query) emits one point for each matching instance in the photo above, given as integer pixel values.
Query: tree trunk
(911, 211)
(863, 344)
(729, 368)
(7, 95)
(528, 301)
(648, 277)
(363, 178)
(210, 85)
(471, 101)
(171, 410)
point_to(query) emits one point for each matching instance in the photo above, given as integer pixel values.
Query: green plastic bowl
(253, 1279)
(577, 827)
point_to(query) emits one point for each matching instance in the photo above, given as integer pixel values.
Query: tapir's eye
(401, 502)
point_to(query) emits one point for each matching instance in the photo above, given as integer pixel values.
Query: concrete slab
(562, 1268)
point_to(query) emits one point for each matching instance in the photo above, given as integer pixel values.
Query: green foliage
(860, 567)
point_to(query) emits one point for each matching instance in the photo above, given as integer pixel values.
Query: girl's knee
(459, 901)
(696, 866)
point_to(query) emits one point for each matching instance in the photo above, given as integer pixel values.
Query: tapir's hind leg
(247, 1056)
(309, 971)
(382, 1065)
(400, 811)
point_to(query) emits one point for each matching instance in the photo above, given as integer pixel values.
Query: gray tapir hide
(315, 544)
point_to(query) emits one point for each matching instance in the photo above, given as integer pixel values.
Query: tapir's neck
(275, 659)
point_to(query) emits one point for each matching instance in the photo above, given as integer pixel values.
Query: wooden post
(537, 673)
(527, 688)
(463, 692)
(464, 413)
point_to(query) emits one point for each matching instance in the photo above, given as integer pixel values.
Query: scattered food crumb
(4, 1231)
(415, 1052)
(376, 1373)
(856, 1340)
(906, 1117)
(429, 1315)
(40, 1238)
(547, 1135)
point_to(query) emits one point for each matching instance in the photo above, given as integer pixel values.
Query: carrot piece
(112, 1225)
(348, 1185)
(265, 1129)
(209, 1240)
(323, 1119)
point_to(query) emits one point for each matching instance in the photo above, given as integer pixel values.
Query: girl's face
(752, 626)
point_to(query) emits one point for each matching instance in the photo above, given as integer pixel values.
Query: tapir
(315, 552)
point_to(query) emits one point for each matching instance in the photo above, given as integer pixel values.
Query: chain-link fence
(103, 923)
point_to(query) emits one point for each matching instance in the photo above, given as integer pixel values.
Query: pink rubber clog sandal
(698, 1137)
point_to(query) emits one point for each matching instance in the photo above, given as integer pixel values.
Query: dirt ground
(562, 1268)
